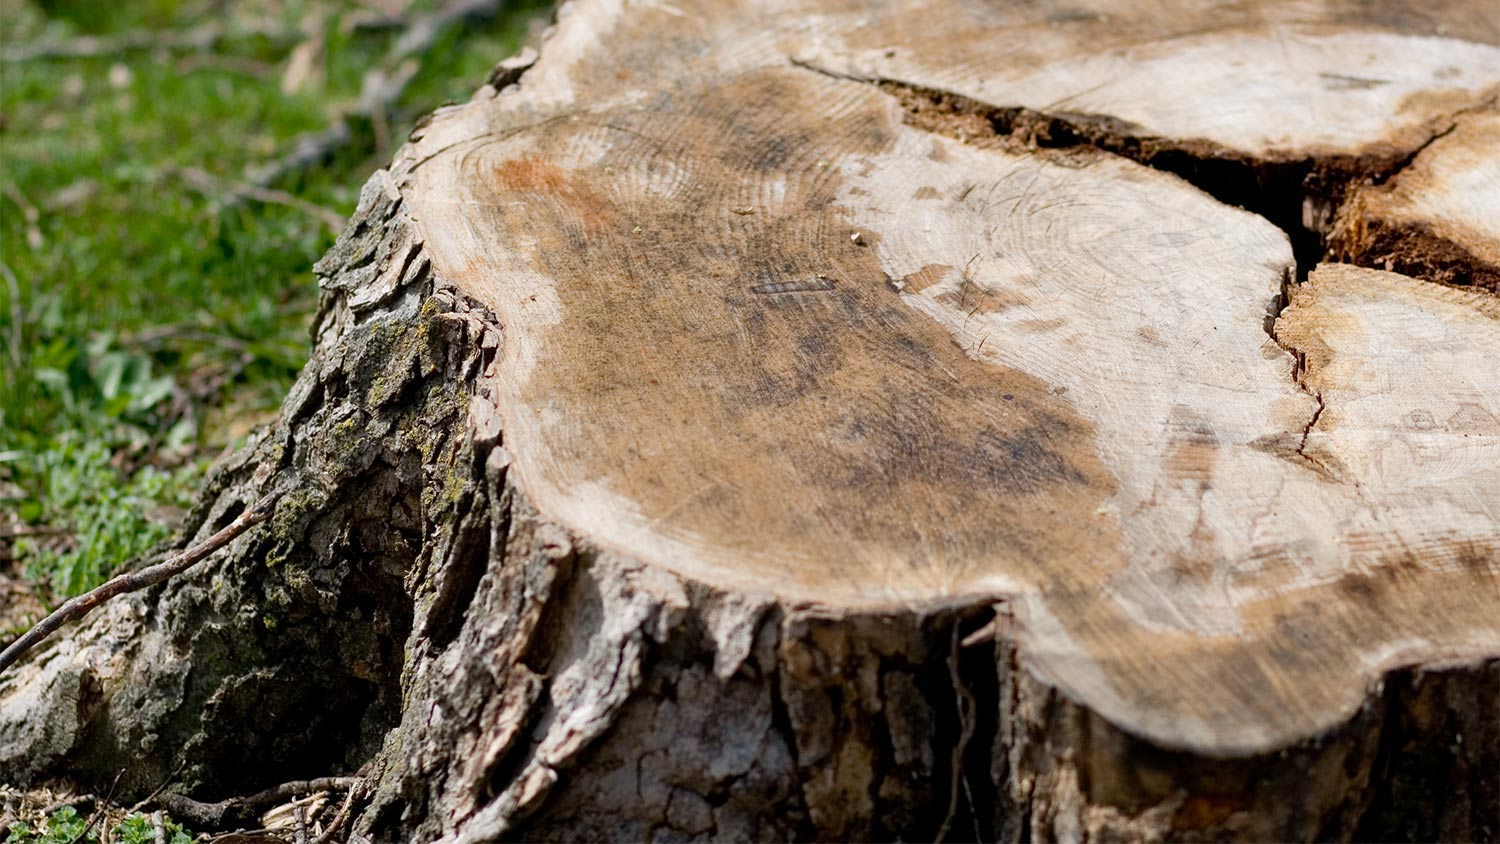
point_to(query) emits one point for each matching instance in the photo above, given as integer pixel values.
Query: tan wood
(1275, 80)
(858, 420)
(764, 333)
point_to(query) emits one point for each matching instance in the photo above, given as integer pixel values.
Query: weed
(147, 321)
(63, 827)
(137, 829)
(66, 826)
(104, 516)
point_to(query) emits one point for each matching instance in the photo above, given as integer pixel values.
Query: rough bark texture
(426, 606)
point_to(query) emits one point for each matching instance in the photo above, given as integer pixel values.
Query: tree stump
(864, 420)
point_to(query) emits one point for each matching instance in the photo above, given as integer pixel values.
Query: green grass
(143, 324)
(66, 826)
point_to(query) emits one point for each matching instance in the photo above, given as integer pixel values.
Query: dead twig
(966, 706)
(381, 89)
(29, 213)
(212, 814)
(204, 37)
(75, 608)
(211, 186)
(158, 336)
(259, 835)
(7, 532)
(94, 817)
(89, 800)
(224, 64)
(343, 814)
(99, 810)
(158, 790)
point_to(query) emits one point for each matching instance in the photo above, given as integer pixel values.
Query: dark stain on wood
(836, 425)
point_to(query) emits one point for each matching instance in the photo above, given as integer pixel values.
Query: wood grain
(763, 332)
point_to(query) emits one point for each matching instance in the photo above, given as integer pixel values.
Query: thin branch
(343, 814)
(76, 608)
(99, 810)
(7, 531)
(29, 213)
(160, 788)
(966, 706)
(212, 814)
(299, 825)
(382, 88)
(224, 64)
(88, 46)
(209, 185)
(239, 836)
(157, 336)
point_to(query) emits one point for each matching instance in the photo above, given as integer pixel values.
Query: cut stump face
(852, 420)
(770, 329)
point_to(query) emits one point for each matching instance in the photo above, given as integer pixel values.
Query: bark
(717, 432)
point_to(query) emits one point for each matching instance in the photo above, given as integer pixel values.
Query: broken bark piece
(700, 443)
(1435, 218)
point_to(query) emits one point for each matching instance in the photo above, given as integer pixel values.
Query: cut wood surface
(1275, 81)
(851, 420)
(763, 331)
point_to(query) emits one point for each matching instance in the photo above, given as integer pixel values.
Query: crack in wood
(1283, 192)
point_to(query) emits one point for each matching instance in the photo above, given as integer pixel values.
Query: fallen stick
(209, 185)
(381, 88)
(78, 607)
(212, 814)
(338, 819)
(98, 813)
(90, 46)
